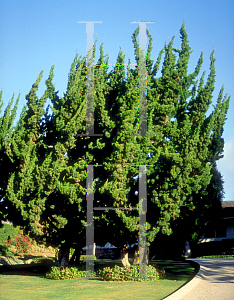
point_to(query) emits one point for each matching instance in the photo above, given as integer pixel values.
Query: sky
(34, 35)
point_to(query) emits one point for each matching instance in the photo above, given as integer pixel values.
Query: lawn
(29, 283)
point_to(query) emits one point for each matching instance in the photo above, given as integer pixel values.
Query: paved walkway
(214, 281)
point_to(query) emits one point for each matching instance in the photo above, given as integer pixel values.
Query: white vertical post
(143, 132)
(90, 81)
(142, 221)
(89, 219)
(142, 77)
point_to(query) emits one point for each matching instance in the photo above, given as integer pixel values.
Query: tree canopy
(48, 187)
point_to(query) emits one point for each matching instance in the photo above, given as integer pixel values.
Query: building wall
(229, 235)
(230, 232)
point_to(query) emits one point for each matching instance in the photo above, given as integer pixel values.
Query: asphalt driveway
(214, 281)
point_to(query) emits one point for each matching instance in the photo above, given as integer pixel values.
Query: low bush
(116, 273)
(61, 273)
(131, 273)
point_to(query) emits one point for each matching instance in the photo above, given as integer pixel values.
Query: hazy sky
(34, 35)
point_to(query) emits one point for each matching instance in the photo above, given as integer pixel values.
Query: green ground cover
(216, 256)
(29, 282)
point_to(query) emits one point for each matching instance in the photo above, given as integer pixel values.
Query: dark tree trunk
(63, 255)
(135, 256)
(135, 261)
(76, 256)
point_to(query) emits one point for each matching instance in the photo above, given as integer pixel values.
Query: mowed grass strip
(37, 287)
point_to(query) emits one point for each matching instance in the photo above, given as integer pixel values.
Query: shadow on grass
(174, 270)
(35, 269)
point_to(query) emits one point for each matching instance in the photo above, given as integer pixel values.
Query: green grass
(216, 256)
(29, 283)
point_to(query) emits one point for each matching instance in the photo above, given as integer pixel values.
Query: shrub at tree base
(129, 273)
(61, 273)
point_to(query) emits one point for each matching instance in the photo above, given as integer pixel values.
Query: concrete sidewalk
(214, 281)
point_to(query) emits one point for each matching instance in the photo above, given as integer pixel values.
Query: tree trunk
(145, 256)
(124, 256)
(63, 256)
(124, 259)
(187, 250)
(135, 261)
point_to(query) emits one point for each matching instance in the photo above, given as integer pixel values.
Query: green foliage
(41, 259)
(126, 273)
(108, 274)
(7, 164)
(216, 256)
(61, 273)
(87, 257)
(72, 251)
(8, 232)
(193, 222)
(56, 254)
(47, 189)
(4, 251)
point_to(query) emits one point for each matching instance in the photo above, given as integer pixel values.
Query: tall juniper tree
(185, 145)
(23, 142)
(49, 187)
(7, 165)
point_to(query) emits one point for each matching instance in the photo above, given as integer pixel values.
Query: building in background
(224, 228)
